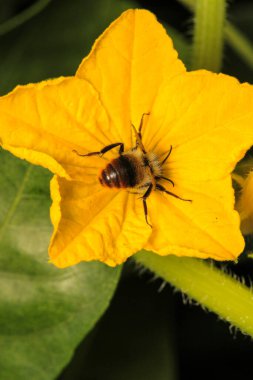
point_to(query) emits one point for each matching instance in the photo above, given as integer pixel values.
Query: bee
(135, 169)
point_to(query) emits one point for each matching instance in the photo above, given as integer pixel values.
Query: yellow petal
(43, 123)
(127, 65)
(206, 227)
(94, 223)
(207, 119)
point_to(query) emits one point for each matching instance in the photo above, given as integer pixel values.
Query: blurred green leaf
(44, 312)
(54, 42)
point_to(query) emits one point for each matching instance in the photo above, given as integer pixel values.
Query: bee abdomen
(119, 173)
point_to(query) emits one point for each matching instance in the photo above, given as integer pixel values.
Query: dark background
(150, 331)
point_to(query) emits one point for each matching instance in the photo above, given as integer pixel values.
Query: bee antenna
(138, 139)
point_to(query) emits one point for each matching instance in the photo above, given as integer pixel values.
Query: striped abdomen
(121, 172)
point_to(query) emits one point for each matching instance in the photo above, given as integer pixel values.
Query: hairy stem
(233, 36)
(209, 286)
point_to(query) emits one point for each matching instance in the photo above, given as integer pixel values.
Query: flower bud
(245, 205)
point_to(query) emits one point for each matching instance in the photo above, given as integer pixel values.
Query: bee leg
(167, 156)
(161, 188)
(166, 179)
(103, 151)
(147, 184)
(144, 198)
(139, 190)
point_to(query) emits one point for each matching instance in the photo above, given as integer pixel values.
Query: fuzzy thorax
(132, 169)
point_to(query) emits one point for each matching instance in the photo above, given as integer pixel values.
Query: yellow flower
(206, 118)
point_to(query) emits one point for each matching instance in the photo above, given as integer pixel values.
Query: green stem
(233, 36)
(22, 17)
(208, 34)
(209, 286)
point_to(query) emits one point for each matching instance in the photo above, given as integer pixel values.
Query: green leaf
(44, 312)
